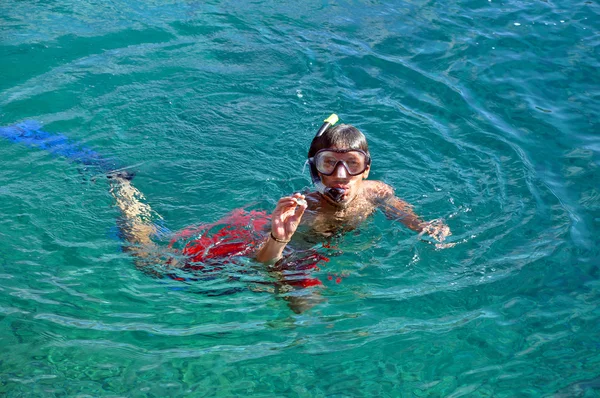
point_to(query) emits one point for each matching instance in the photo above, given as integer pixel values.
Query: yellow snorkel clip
(330, 121)
(333, 119)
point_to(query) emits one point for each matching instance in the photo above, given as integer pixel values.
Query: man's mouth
(340, 186)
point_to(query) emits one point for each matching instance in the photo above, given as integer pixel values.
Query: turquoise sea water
(482, 112)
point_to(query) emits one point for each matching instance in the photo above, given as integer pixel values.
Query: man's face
(341, 178)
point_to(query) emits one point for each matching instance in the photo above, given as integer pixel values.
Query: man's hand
(287, 215)
(436, 229)
(284, 222)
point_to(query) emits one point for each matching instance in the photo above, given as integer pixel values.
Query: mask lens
(354, 161)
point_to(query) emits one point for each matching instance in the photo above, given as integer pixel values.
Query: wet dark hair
(341, 136)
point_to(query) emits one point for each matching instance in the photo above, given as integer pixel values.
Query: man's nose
(340, 170)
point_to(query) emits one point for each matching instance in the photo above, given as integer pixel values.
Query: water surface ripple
(484, 113)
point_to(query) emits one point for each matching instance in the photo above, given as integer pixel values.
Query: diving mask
(327, 160)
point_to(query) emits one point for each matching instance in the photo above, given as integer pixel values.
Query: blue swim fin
(30, 133)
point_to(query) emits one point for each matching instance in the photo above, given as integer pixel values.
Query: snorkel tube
(335, 194)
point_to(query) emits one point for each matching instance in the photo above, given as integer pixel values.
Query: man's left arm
(396, 209)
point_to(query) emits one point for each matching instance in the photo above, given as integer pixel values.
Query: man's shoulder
(378, 189)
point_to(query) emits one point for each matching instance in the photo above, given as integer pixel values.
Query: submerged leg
(136, 224)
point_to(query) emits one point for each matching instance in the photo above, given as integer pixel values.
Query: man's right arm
(284, 222)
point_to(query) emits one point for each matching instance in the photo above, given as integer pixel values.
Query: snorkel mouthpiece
(335, 194)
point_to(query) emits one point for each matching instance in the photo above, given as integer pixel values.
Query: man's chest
(328, 223)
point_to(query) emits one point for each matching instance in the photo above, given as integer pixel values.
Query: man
(340, 163)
